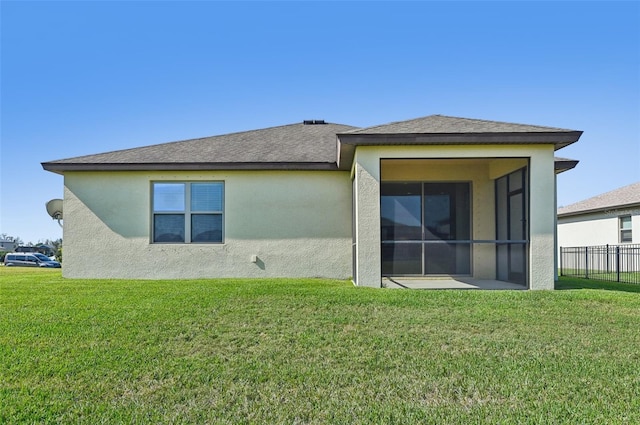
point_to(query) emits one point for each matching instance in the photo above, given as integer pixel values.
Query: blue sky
(88, 77)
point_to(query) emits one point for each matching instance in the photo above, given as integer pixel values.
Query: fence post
(617, 264)
(561, 255)
(586, 262)
(607, 254)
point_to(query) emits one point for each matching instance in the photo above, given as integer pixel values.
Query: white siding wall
(298, 224)
(599, 228)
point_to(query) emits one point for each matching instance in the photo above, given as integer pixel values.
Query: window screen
(188, 212)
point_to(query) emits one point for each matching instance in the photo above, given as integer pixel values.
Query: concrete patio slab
(448, 283)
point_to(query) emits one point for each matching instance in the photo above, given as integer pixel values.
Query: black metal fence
(613, 263)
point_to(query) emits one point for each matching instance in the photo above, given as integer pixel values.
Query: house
(610, 218)
(428, 197)
(7, 245)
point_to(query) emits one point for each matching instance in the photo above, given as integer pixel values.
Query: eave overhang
(561, 165)
(61, 168)
(347, 143)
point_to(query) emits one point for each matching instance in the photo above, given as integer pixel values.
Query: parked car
(29, 259)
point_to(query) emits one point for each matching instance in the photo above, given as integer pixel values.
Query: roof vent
(313, 122)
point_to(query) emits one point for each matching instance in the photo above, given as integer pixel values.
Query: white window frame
(187, 212)
(622, 230)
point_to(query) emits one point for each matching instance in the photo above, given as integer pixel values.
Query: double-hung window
(188, 212)
(625, 229)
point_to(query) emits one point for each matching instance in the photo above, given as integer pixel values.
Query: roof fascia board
(565, 165)
(560, 139)
(300, 166)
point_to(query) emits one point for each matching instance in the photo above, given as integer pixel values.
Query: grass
(605, 276)
(314, 351)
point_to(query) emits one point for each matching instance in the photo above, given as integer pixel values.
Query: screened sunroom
(445, 198)
(443, 218)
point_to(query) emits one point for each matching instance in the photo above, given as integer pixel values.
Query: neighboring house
(42, 249)
(611, 218)
(7, 245)
(429, 197)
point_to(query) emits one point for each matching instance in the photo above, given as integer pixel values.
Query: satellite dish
(54, 209)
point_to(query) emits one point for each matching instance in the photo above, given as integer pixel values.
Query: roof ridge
(602, 200)
(603, 194)
(523, 124)
(255, 130)
(393, 122)
(503, 122)
(365, 130)
(196, 139)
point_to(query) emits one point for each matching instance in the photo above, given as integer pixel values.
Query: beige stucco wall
(367, 224)
(542, 218)
(598, 228)
(490, 162)
(297, 223)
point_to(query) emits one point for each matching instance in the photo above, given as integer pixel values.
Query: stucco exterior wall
(367, 223)
(542, 219)
(297, 223)
(597, 228)
(498, 160)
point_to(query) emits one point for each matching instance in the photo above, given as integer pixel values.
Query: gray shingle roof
(310, 146)
(442, 124)
(287, 145)
(618, 198)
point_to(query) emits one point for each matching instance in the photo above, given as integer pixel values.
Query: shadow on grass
(566, 283)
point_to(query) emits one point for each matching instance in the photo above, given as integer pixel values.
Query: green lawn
(314, 351)
(603, 275)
